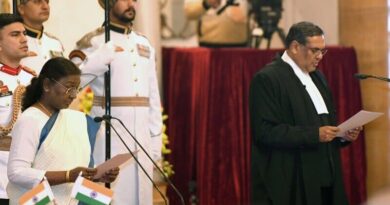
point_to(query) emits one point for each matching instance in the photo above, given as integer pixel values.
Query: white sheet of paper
(359, 119)
(112, 163)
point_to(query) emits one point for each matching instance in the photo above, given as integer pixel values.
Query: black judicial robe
(285, 139)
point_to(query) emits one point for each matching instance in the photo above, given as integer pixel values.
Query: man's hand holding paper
(350, 129)
(352, 135)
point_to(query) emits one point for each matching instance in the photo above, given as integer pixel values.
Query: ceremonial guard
(13, 78)
(42, 45)
(135, 97)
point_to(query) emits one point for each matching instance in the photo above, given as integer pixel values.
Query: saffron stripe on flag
(87, 199)
(98, 188)
(30, 194)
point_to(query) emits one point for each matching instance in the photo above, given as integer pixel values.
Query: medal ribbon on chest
(143, 50)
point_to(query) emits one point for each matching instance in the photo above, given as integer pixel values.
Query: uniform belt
(5, 143)
(122, 101)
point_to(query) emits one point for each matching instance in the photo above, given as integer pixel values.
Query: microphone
(98, 119)
(105, 118)
(365, 76)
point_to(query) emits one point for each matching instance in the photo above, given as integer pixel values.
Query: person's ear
(295, 47)
(20, 9)
(46, 85)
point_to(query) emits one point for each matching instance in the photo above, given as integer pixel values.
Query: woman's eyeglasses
(72, 91)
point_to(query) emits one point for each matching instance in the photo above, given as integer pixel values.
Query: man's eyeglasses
(317, 51)
(72, 91)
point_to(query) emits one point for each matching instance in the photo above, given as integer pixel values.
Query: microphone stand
(154, 163)
(379, 78)
(365, 76)
(135, 158)
(107, 84)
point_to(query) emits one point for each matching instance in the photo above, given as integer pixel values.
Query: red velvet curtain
(185, 76)
(206, 99)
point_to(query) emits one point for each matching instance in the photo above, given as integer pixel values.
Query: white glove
(156, 147)
(98, 60)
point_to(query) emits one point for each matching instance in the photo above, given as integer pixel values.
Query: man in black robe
(295, 152)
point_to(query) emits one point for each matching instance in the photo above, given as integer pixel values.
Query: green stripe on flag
(87, 199)
(44, 201)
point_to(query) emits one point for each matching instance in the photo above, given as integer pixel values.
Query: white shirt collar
(310, 87)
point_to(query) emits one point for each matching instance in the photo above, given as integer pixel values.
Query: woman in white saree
(52, 141)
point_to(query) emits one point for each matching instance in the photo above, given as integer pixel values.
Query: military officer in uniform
(222, 23)
(135, 97)
(42, 45)
(13, 78)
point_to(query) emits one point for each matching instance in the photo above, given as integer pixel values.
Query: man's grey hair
(300, 31)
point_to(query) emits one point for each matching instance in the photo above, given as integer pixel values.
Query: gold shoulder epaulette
(29, 70)
(54, 37)
(85, 41)
(51, 36)
(141, 34)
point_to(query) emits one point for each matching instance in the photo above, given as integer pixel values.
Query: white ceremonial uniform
(6, 109)
(43, 46)
(135, 100)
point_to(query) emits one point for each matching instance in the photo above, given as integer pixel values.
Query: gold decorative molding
(5, 6)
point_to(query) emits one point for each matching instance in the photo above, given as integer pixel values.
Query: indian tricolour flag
(91, 193)
(39, 195)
